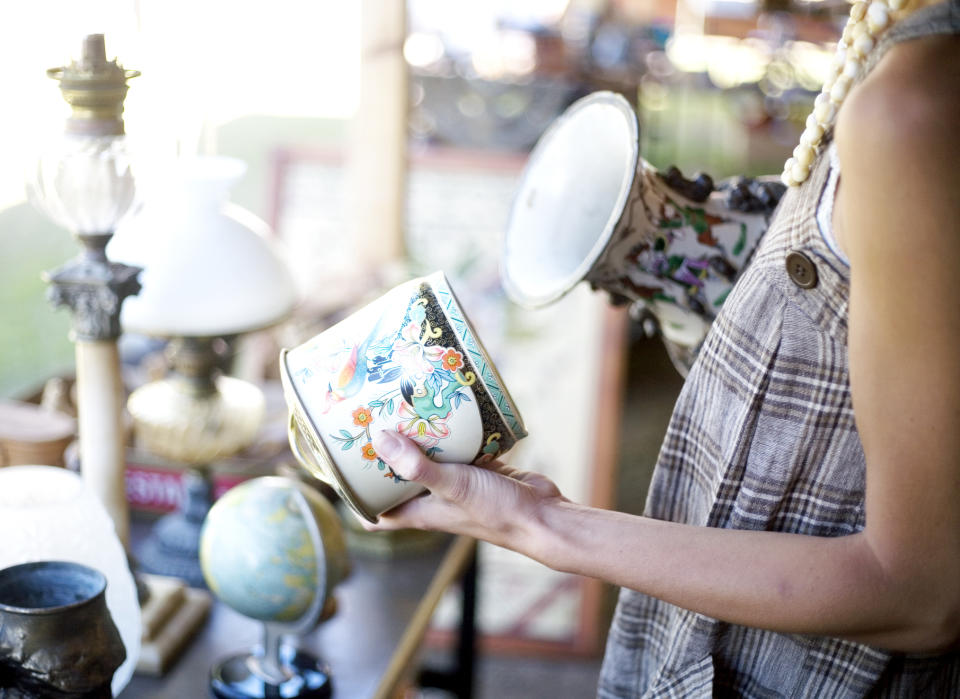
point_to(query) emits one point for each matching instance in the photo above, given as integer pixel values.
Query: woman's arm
(895, 584)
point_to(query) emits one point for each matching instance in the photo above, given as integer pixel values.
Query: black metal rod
(459, 680)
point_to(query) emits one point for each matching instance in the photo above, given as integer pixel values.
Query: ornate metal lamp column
(85, 184)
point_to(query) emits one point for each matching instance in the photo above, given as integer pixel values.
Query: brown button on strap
(801, 270)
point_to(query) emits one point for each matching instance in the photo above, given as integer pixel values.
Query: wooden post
(377, 149)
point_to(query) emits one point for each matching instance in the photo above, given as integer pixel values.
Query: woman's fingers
(482, 502)
(402, 516)
(406, 459)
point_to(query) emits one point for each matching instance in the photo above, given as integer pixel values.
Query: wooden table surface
(371, 643)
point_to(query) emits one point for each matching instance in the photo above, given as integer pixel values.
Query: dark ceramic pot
(57, 638)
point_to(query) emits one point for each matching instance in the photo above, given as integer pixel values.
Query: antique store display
(85, 183)
(210, 272)
(589, 207)
(410, 361)
(48, 513)
(272, 549)
(56, 634)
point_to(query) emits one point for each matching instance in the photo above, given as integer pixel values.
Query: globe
(273, 549)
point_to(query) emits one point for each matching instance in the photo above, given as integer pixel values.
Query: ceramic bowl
(411, 362)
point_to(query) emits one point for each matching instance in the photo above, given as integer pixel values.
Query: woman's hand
(493, 502)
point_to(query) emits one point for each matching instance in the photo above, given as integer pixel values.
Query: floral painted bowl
(411, 362)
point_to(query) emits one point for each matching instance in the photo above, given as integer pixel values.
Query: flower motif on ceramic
(679, 252)
(490, 449)
(409, 383)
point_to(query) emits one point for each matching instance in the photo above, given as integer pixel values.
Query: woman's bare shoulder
(898, 137)
(911, 99)
(900, 128)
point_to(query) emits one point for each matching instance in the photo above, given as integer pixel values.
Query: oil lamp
(85, 183)
(211, 272)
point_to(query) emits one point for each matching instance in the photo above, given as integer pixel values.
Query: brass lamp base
(194, 417)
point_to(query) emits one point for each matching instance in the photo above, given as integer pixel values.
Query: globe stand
(276, 670)
(293, 554)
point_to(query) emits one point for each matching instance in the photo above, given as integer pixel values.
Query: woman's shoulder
(911, 97)
(898, 138)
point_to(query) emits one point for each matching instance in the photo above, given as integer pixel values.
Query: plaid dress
(763, 437)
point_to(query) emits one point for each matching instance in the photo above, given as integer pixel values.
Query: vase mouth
(49, 587)
(572, 193)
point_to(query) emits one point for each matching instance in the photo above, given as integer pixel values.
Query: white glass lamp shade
(210, 267)
(83, 183)
(48, 514)
(573, 190)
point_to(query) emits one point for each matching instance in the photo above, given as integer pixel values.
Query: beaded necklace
(867, 20)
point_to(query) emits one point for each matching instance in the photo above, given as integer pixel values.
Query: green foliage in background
(34, 342)
(720, 132)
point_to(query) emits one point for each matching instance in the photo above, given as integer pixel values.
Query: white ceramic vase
(590, 208)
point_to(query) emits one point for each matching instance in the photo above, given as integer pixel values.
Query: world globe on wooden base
(273, 549)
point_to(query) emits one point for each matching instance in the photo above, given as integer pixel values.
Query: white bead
(812, 123)
(815, 131)
(839, 90)
(847, 37)
(878, 17)
(851, 68)
(863, 45)
(788, 180)
(832, 74)
(799, 172)
(858, 11)
(860, 29)
(812, 136)
(897, 5)
(825, 112)
(803, 154)
(840, 56)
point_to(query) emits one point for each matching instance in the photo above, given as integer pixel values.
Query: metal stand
(459, 679)
(303, 677)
